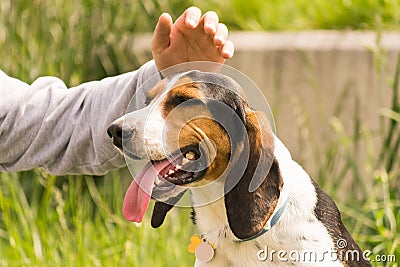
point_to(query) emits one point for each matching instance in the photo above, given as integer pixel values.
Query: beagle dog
(251, 201)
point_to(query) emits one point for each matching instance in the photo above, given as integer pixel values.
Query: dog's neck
(209, 203)
(209, 207)
(210, 214)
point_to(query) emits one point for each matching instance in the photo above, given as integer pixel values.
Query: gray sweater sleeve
(64, 130)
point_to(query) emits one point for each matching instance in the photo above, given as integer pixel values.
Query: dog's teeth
(166, 175)
(184, 161)
(178, 167)
(157, 181)
(190, 155)
(171, 172)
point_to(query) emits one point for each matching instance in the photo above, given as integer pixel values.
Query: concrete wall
(312, 78)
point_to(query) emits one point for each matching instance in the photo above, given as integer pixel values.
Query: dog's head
(197, 129)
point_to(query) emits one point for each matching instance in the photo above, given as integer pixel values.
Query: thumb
(162, 32)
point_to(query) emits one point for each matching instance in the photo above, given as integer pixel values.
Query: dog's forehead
(206, 85)
(213, 81)
(201, 85)
(174, 84)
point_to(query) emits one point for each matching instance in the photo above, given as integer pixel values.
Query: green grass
(301, 14)
(76, 220)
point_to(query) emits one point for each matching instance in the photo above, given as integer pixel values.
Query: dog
(250, 198)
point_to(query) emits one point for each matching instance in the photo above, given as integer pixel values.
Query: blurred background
(329, 69)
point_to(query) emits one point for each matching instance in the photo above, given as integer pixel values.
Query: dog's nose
(118, 134)
(114, 131)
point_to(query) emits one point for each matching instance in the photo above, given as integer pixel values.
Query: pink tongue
(138, 195)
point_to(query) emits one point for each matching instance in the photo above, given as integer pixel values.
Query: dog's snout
(117, 133)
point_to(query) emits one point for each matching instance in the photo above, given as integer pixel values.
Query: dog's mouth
(159, 179)
(183, 168)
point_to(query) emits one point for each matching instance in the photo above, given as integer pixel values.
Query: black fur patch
(220, 88)
(328, 214)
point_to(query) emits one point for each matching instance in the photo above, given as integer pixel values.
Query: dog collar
(276, 215)
(204, 250)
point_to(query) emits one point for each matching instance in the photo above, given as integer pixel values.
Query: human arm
(64, 130)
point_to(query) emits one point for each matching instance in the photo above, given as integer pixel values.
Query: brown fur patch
(182, 133)
(213, 131)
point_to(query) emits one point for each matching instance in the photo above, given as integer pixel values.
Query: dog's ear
(253, 184)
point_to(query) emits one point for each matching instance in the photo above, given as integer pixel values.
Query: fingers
(227, 50)
(162, 32)
(221, 34)
(210, 19)
(192, 17)
(203, 37)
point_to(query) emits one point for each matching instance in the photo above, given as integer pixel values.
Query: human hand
(191, 38)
